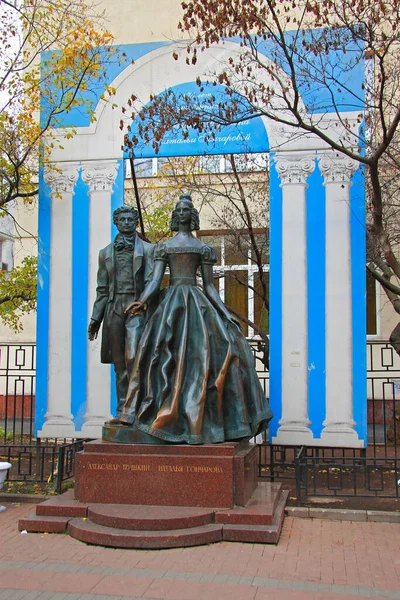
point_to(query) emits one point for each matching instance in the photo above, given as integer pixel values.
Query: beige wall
(138, 21)
(25, 244)
(387, 317)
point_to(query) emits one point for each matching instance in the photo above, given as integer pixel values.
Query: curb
(23, 498)
(336, 514)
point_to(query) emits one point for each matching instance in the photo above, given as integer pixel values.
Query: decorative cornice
(61, 177)
(100, 175)
(294, 168)
(336, 167)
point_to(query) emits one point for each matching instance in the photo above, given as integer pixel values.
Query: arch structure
(317, 268)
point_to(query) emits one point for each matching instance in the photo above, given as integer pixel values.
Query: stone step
(258, 511)
(258, 534)
(34, 523)
(64, 505)
(149, 518)
(91, 533)
(149, 526)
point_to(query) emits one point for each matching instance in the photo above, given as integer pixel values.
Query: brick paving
(316, 559)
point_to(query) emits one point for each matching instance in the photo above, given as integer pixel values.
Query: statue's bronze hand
(136, 308)
(93, 329)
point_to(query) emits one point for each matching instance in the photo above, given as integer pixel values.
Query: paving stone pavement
(316, 559)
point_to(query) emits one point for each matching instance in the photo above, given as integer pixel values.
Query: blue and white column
(61, 178)
(337, 171)
(294, 425)
(100, 177)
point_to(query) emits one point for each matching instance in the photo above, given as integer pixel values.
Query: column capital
(336, 167)
(61, 177)
(294, 168)
(100, 175)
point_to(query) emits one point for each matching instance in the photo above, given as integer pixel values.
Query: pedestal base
(211, 475)
(149, 496)
(152, 527)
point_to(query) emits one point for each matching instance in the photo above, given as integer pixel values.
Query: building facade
(316, 258)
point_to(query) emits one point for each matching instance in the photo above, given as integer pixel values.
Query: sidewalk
(315, 559)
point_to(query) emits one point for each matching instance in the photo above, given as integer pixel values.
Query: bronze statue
(193, 379)
(125, 266)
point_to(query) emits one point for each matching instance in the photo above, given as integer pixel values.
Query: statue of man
(125, 266)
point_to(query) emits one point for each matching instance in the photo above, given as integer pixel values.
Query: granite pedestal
(164, 496)
(210, 475)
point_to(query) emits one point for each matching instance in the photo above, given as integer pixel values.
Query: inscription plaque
(162, 468)
(204, 476)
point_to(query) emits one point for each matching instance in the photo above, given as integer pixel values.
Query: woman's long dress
(194, 378)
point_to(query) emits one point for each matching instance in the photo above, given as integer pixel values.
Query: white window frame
(251, 269)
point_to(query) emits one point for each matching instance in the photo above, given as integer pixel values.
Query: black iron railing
(383, 392)
(354, 475)
(313, 471)
(66, 462)
(34, 461)
(373, 472)
(41, 462)
(17, 392)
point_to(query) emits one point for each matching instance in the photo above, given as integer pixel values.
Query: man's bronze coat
(103, 305)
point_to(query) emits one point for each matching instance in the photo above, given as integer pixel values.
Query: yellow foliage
(71, 33)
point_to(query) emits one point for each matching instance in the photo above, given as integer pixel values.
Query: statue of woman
(193, 380)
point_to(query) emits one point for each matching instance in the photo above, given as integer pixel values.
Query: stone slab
(381, 516)
(91, 533)
(146, 526)
(346, 514)
(151, 479)
(254, 534)
(22, 498)
(258, 534)
(301, 512)
(64, 505)
(245, 474)
(179, 475)
(259, 510)
(343, 514)
(39, 524)
(154, 518)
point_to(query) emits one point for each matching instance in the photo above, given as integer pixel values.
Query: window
(372, 325)
(143, 168)
(248, 162)
(6, 252)
(237, 278)
(219, 163)
(212, 164)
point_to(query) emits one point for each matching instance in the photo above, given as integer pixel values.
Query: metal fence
(42, 462)
(373, 472)
(17, 392)
(383, 392)
(37, 461)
